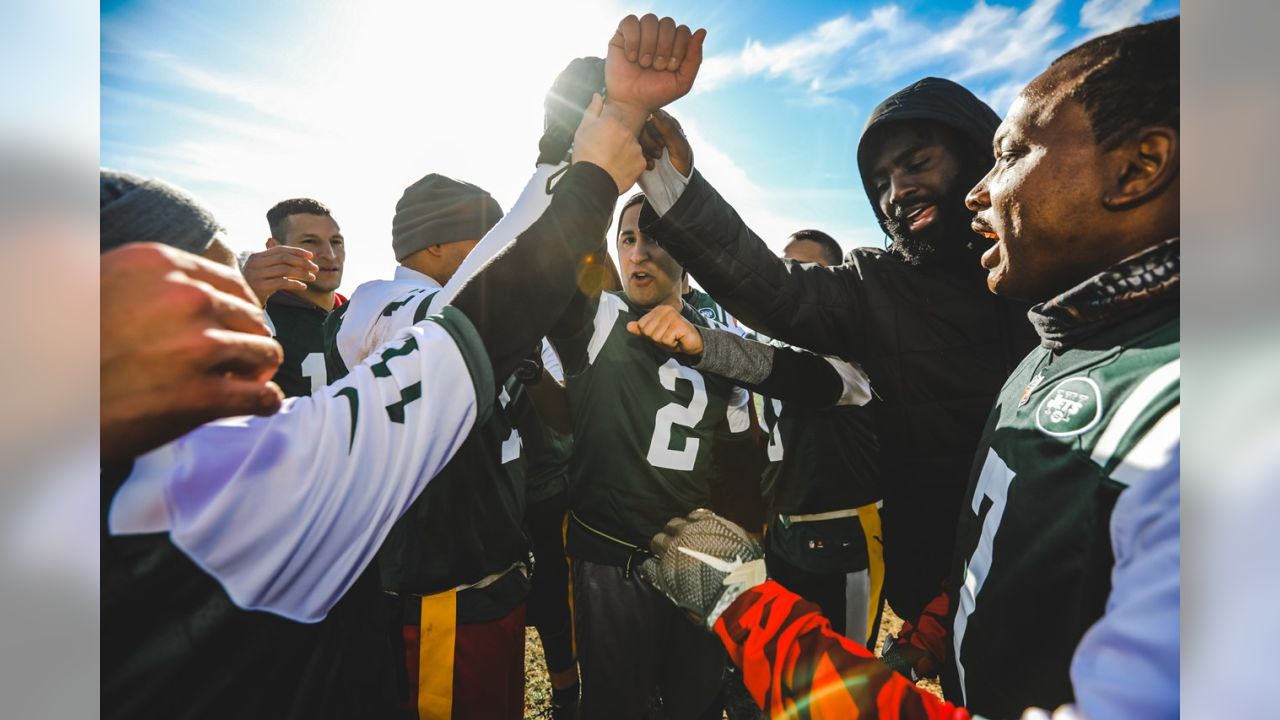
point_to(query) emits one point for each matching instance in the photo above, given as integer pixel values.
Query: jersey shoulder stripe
(467, 338)
(607, 312)
(1147, 392)
(1156, 450)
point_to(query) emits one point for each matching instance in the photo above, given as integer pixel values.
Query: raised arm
(806, 305)
(308, 515)
(527, 285)
(816, 308)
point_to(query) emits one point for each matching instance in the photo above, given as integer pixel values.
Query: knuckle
(190, 298)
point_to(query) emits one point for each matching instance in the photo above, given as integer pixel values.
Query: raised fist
(652, 62)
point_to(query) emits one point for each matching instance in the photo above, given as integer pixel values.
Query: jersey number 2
(660, 452)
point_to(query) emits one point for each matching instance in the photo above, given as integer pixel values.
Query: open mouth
(641, 278)
(921, 216)
(983, 230)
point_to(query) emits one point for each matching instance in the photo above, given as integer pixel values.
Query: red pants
(485, 673)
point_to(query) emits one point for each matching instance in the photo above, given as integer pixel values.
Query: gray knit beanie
(135, 209)
(438, 210)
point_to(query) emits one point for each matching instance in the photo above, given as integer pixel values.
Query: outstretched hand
(703, 563)
(280, 267)
(667, 328)
(652, 62)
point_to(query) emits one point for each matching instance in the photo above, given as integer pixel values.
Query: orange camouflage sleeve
(794, 666)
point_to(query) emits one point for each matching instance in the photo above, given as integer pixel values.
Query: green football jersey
(820, 460)
(1068, 434)
(707, 307)
(643, 426)
(299, 328)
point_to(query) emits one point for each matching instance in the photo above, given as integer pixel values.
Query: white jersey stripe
(1142, 395)
(606, 316)
(1156, 449)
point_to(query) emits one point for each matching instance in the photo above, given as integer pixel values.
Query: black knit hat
(438, 210)
(134, 209)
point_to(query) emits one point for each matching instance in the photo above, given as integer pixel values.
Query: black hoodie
(934, 99)
(935, 342)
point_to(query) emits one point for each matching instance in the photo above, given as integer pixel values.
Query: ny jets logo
(708, 313)
(1072, 407)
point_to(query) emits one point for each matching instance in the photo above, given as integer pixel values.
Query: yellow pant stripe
(437, 635)
(869, 518)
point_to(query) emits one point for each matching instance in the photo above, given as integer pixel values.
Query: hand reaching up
(662, 131)
(604, 141)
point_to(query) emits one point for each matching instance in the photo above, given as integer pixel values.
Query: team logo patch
(1071, 407)
(707, 313)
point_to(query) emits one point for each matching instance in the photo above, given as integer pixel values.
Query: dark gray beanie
(135, 209)
(438, 210)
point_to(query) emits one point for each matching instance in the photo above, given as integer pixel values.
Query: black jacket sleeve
(515, 299)
(786, 374)
(810, 306)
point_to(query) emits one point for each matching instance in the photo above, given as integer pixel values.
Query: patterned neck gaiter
(1136, 285)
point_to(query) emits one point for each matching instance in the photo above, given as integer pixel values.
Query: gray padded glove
(703, 563)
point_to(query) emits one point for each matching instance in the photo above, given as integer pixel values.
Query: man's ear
(1144, 168)
(272, 242)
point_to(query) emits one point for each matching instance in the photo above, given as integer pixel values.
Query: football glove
(567, 99)
(703, 563)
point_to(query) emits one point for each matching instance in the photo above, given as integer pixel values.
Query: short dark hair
(277, 215)
(630, 202)
(829, 245)
(1126, 80)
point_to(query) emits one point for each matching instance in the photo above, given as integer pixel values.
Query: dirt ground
(537, 688)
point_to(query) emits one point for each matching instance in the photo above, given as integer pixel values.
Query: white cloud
(889, 44)
(804, 59)
(1104, 16)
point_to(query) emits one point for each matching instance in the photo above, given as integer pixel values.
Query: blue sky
(245, 104)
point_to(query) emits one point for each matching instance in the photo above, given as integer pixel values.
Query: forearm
(792, 663)
(808, 306)
(782, 373)
(517, 297)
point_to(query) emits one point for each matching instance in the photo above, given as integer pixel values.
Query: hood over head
(935, 99)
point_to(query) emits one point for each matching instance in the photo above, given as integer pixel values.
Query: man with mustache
(1066, 572)
(917, 316)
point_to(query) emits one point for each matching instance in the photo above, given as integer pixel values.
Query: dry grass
(537, 687)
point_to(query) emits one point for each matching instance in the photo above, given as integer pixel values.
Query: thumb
(693, 57)
(633, 327)
(649, 571)
(596, 106)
